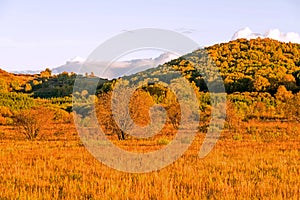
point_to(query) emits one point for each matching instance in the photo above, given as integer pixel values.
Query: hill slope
(13, 82)
(257, 65)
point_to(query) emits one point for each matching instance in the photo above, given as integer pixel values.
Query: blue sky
(39, 34)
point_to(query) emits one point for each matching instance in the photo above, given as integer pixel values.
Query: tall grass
(62, 168)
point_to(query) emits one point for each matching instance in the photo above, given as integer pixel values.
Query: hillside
(45, 154)
(257, 65)
(13, 82)
(257, 70)
(261, 78)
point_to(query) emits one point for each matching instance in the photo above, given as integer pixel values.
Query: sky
(38, 34)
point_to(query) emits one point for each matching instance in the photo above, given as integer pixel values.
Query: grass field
(239, 167)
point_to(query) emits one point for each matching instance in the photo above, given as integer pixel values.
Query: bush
(236, 137)
(2, 120)
(163, 141)
(16, 101)
(31, 122)
(62, 116)
(5, 115)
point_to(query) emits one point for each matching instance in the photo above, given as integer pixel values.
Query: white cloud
(272, 34)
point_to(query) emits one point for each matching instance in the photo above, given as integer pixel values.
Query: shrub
(31, 122)
(2, 120)
(62, 116)
(236, 137)
(163, 141)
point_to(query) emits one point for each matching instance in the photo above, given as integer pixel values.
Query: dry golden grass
(59, 167)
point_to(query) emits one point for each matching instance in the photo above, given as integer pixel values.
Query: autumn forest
(256, 156)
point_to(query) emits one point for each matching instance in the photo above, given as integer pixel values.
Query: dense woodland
(261, 79)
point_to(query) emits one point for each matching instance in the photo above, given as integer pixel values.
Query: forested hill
(257, 65)
(258, 73)
(13, 82)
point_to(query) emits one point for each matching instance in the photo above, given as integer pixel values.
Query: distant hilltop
(117, 69)
(255, 65)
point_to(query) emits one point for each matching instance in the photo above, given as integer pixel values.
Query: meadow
(248, 165)
(256, 156)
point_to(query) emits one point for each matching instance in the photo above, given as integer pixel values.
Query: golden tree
(283, 94)
(32, 122)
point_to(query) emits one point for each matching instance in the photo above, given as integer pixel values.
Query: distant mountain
(255, 65)
(124, 68)
(72, 65)
(26, 72)
(116, 69)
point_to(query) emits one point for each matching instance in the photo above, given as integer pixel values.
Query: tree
(5, 113)
(106, 118)
(232, 118)
(46, 73)
(292, 109)
(283, 94)
(260, 83)
(32, 122)
(140, 104)
(120, 115)
(15, 85)
(3, 85)
(28, 87)
(289, 82)
(296, 75)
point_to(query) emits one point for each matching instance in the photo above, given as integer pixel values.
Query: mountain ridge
(256, 65)
(75, 64)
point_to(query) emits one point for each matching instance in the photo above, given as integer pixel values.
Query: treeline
(259, 65)
(261, 78)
